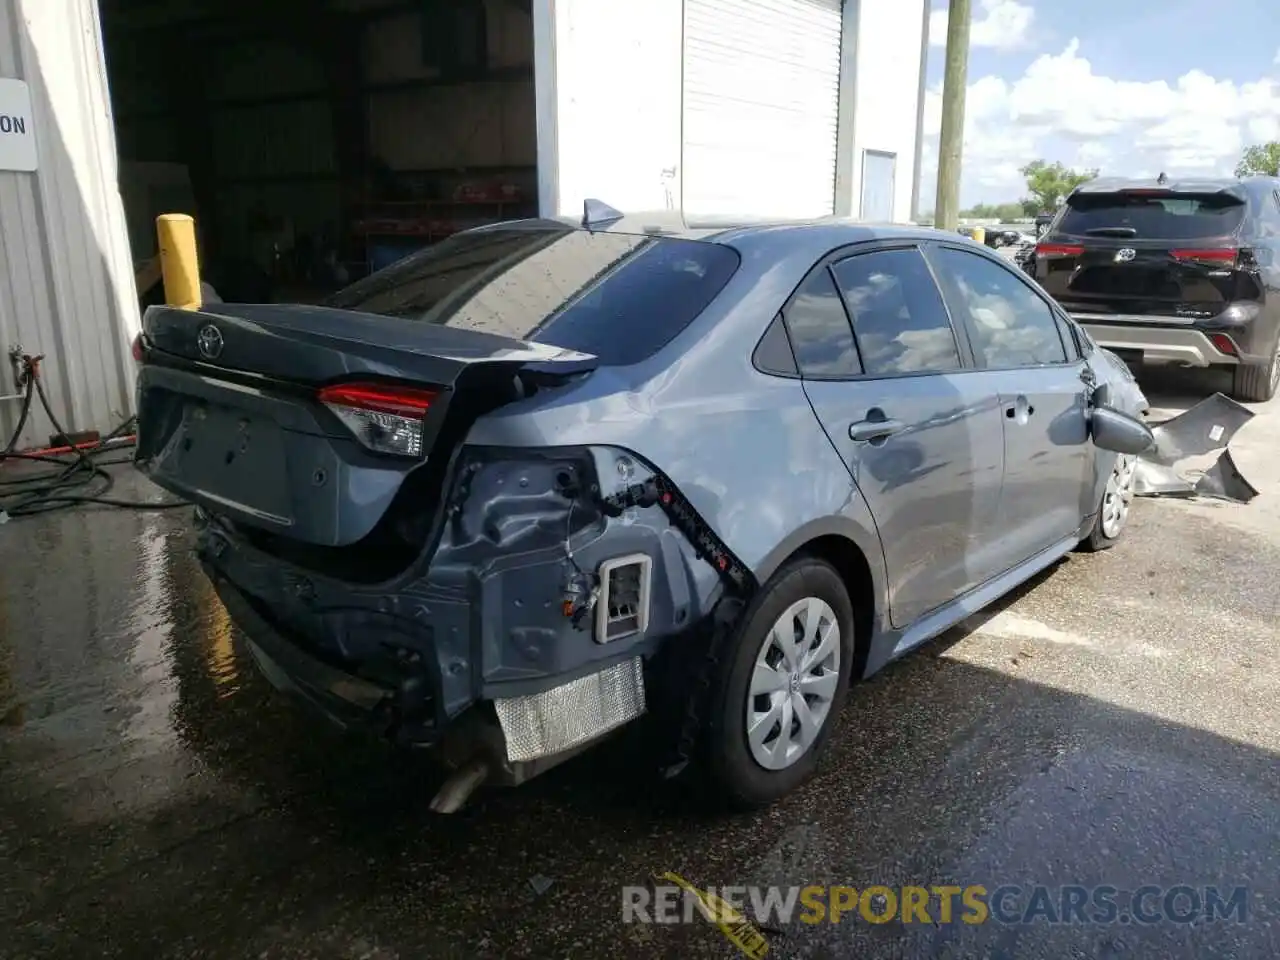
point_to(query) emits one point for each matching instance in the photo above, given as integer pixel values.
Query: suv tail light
(139, 349)
(386, 419)
(1217, 256)
(1058, 250)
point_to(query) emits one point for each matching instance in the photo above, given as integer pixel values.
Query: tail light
(386, 419)
(1058, 250)
(1217, 256)
(139, 353)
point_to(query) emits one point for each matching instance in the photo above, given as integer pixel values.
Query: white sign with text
(17, 127)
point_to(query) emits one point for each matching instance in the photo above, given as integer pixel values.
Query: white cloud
(1060, 109)
(1002, 24)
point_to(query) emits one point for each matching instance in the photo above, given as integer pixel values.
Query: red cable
(55, 451)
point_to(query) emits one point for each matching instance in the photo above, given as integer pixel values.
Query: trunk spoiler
(314, 344)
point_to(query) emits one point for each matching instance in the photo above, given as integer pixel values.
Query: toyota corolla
(519, 489)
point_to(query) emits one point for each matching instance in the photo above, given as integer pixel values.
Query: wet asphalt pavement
(1113, 723)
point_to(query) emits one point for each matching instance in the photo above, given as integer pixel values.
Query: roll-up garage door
(761, 87)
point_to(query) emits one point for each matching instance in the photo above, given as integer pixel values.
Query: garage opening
(317, 140)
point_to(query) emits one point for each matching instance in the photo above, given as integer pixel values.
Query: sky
(1132, 87)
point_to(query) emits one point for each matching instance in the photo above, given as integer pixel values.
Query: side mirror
(1119, 433)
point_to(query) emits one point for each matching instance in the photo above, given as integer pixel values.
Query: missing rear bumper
(476, 651)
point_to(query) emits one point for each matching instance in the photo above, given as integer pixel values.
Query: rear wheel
(1113, 509)
(773, 709)
(1256, 383)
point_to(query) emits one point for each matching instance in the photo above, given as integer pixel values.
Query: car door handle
(876, 427)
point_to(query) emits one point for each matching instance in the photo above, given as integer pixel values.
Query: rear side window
(898, 314)
(819, 329)
(1152, 215)
(773, 353)
(621, 297)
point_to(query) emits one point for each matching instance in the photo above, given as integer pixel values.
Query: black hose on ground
(80, 476)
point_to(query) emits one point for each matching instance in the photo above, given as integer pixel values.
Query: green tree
(1048, 185)
(1004, 212)
(1262, 158)
(1009, 211)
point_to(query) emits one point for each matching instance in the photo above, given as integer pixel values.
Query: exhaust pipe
(457, 790)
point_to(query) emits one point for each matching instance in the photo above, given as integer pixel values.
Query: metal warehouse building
(315, 140)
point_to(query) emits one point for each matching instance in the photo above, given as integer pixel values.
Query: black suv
(1174, 272)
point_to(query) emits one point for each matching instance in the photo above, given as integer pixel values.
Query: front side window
(1009, 325)
(1073, 336)
(898, 314)
(620, 297)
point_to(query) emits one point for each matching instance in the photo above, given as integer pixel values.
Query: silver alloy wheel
(1119, 493)
(793, 683)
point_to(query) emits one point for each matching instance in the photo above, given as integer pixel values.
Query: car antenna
(597, 213)
(1162, 178)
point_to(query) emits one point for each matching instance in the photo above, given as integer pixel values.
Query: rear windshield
(621, 297)
(1153, 216)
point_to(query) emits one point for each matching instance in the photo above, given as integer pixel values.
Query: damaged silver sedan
(521, 488)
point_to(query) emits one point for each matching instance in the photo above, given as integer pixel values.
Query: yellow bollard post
(980, 234)
(179, 264)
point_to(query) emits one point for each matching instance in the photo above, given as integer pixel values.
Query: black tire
(1097, 540)
(734, 773)
(1255, 383)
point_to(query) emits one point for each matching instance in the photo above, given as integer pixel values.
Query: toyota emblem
(1125, 254)
(209, 342)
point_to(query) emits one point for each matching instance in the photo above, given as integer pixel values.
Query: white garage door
(761, 86)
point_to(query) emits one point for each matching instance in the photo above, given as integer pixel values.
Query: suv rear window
(1152, 215)
(621, 297)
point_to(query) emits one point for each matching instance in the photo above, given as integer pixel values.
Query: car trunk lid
(306, 421)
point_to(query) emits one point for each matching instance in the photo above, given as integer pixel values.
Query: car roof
(1242, 187)
(820, 233)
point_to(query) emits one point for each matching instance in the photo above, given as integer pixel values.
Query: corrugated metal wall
(66, 281)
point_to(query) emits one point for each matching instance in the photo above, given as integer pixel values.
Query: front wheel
(786, 679)
(1113, 509)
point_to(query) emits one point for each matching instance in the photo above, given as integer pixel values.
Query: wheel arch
(857, 557)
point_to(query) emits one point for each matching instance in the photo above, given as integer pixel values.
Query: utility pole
(951, 141)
